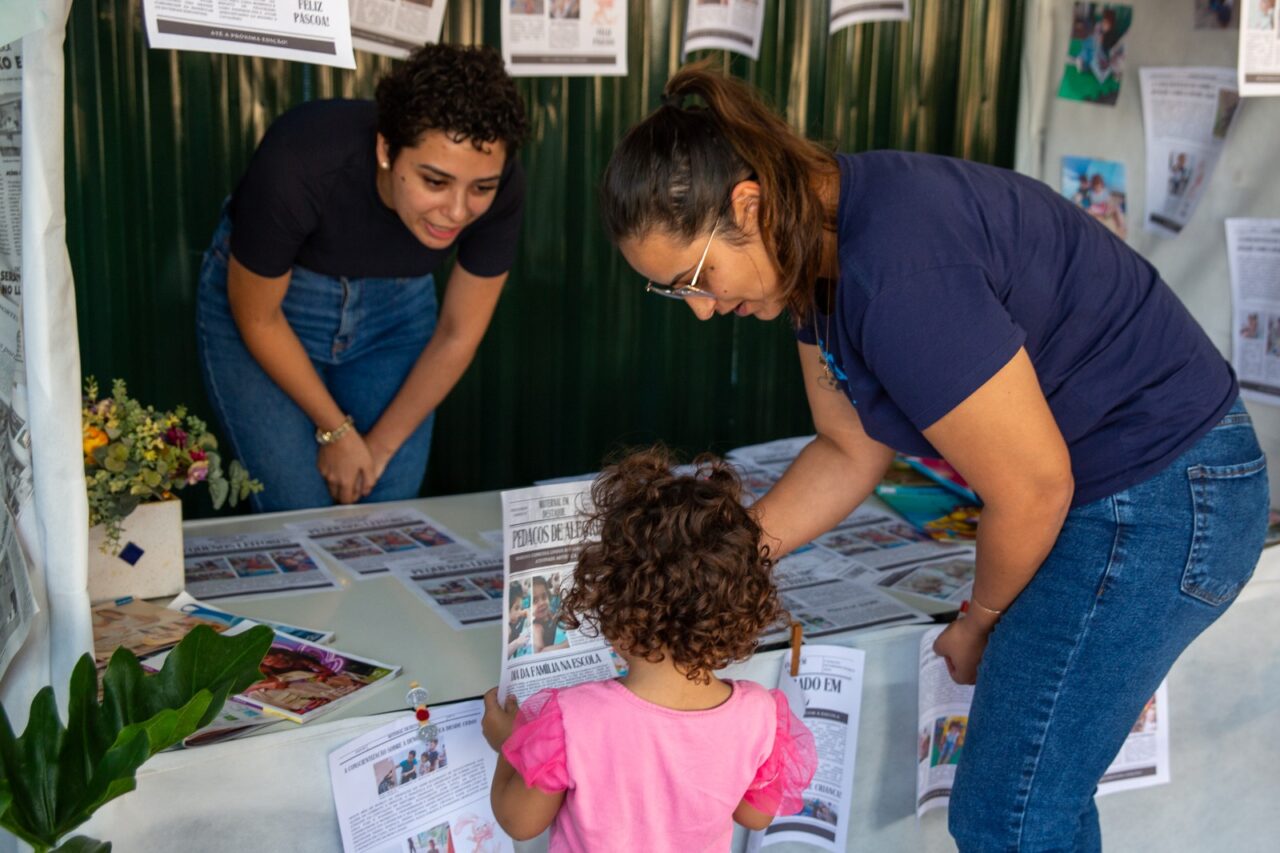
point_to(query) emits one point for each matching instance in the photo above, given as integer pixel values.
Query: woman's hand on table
(348, 468)
(961, 645)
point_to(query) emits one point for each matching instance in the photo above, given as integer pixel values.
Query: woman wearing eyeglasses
(323, 350)
(945, 308)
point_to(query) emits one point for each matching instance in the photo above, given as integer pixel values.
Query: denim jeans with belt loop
(363, 335)
(1131, 581)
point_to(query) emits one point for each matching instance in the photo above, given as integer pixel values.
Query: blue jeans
(362, 334)
(1131, 581)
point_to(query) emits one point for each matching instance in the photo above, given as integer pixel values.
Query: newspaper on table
(881, 541)
(829, 685)
(1253, 256)
(943, 719)
(302, 680)
(772, 455)
(232, 721)
(1186, 114)
(236, 564)
(317, 31)
(372, 542)
(574, 38)
(185, 603)
(734, 25)
(467, 590)
(846, 13)
(1258, 62)
(545, 528)
(395, 28)
(395, 792)
(827, 595)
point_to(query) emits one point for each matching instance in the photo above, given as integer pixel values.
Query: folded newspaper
(943, 718)
(394, 791)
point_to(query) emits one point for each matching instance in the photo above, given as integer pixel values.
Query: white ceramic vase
(148, 561)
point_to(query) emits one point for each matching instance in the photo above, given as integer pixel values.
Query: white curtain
(54, 527)
(1245, 183)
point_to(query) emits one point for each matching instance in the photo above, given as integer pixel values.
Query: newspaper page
(572, 38)
(232, 721)
(467, 590)
(1186, 113)
(943, 717)
(831, 680)
(372, 542)
(1253, 256)
(734, 25)
(315, 31)
(141, 627)
(880, 541)
(776, 455)
(395, 792)
(846, 13)
(1258, 63)
(545, 528)
(827, 595)
(395, 28)
(185, 603)
(251, 564)
(302, 680)
(17, 602)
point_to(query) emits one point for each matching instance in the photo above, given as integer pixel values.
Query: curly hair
(679, 568)
(463, 91)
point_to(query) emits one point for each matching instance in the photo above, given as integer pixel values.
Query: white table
(271, 792)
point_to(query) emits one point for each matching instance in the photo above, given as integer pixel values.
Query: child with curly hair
(669, 755)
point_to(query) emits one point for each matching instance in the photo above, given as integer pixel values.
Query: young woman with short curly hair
(323, 351)
(666, 757)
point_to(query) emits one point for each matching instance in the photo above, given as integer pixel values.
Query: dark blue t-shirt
(947, 267)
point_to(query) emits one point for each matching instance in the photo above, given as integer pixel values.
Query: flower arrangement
(134, 454)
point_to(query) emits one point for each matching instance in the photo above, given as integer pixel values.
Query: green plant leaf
(218, 491)
(83, 844)
(53, 778)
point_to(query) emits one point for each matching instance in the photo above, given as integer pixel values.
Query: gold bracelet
(329, 436)
(975, 602)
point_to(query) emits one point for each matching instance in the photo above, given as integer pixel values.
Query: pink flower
(176, 436)
(197, 472)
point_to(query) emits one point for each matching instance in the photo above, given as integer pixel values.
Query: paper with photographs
(1095, 53)
(1215, 14)
(141, 627)
(826, 594)
(185, 603)
(230, 565)
(316, 31)
(830, 682)
(846, 13)
(394, 791)
(571, 38)
(301, 680)
(775, 455)
(232, 721)
(943, 718)
(880, 541)
(395, 28)
(1253, 256)
(1186, 114)
(1098, 188)
(371, 542)
(545, 528)
(1258, 61)
(467, 590)
(734, 25)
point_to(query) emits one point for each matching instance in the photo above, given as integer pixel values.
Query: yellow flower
(93, 438)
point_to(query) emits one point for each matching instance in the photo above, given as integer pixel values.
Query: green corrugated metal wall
(577, 360)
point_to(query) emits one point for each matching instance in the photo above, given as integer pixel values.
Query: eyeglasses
(684, 291)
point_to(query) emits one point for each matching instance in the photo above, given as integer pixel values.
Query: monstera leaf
(52, 778)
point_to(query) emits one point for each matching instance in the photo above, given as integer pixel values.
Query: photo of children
(1214, 14)
(428, 536)
(846, 544)
(299, 677)
(1097, 187)
(415, 762)
(1095, 55)
(1262, 14)
(350, 547)
(948, 740)
(1249, 330)
(546, 634)
(517, 619)
(208, 570)
(385, 772)
(253, 565)
(818, 810)
(294, 560)
(490, 585)
(526, 7)
(566, 9)
(390, 540)
(929, 583)
(922, 746)
(434, 840)
(1181, 171)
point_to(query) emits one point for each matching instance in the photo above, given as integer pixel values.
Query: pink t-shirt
(638, 776)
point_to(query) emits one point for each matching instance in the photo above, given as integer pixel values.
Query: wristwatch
(329, 436)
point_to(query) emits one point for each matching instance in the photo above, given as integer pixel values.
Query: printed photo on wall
(1095, 56)
(1098, 186)
(1215, 14)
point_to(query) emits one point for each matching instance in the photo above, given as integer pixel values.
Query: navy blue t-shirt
(310, 198)
(947, 267)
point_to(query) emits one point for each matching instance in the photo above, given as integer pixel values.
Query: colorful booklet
(940, 512)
